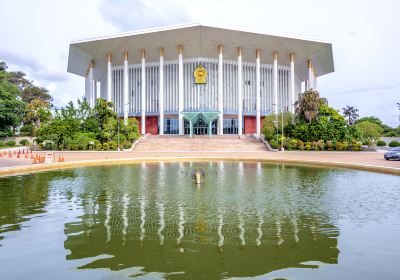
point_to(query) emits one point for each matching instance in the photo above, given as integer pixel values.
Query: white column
(258, 92)
(310, 76)
(161, 92)
(220, 92)
(291, 85)
(275, 82)
(180, 90)
(94, 93)
(109, 77)
(315, 86)
(89, 93)
(125, 88)
(143, 94)
(240, 93)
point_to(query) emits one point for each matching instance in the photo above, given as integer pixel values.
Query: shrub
(381, 143)
(315, 146)
(11, 143)
(329, 145)
(122, 138)
(112, 145)
(294, 143)
(300, 145)
(356, 146)
(339, 146)
(27, 130)
(106, 147)
(273, 144)
(127, 145)
(345, 146)
(308, 146)
(321, 144)
(2, 143)
(73, 147)
(24, 142)
(394, 144)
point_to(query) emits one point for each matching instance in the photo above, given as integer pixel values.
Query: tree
(351, 113)
(307, 105)
(369, 131)
(11, 108)
(37, 111)
(30, 93)
(371, 119)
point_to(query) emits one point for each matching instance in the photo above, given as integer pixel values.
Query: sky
(365, 35)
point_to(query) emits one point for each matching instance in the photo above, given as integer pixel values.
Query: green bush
(345, 146)
(273, 144)
(329, 145)
(394, 144)
(122, 138)
(24, 142)
(127, 145)
(11, 143)
(294, 143)
(300, 145)
(113, 145)
(315, 146)
(308, 146)
(99, 147)
(2, 143)
(106, 147)
(269, 132)
(339, 146)
(27, 130)
(381, 143)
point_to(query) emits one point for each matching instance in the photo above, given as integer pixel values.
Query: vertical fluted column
(109, 77)
(240, 92)
(220, 91)
(143, 94)
(161, 92)
(310, 75)
(180, 89)
(315, 86)
(258, 92)
(89, 88)
(275, 82)
(291, 85)
(125, 88)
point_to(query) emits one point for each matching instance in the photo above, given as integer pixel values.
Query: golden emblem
(200, 75)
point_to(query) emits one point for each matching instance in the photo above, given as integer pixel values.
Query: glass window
(230, 126)
(171, 126)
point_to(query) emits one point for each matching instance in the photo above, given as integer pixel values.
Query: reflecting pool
(150, 221)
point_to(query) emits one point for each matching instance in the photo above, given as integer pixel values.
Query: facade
(199, 79)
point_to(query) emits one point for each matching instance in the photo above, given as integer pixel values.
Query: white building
(151, 75)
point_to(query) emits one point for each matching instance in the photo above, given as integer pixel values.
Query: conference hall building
(199, 78)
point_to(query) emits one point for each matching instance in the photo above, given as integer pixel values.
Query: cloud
(33, 67)
(130, 15)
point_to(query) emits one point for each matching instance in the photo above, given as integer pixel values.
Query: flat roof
(199, 40)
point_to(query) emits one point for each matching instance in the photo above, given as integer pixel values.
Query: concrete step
(199, 143)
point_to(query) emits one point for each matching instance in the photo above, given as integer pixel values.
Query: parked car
(393, 154)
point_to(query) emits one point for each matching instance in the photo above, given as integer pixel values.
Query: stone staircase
(223, 143)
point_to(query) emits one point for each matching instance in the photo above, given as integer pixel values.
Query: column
(89, 93)
(180, 90)
(94, 93)
(240, 92)
(125, 88)
(143, 94)
(291, 85)
(310, 75)
(220, 91)
(275, 82)
(258, 92)
(161, 92)
(315, 79)
(109, 77)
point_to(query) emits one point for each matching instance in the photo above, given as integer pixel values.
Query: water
(150, 221)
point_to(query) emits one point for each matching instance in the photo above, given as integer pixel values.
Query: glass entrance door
(200, 127)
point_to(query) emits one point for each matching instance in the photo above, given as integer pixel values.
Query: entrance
(201, 127)
(200, 123)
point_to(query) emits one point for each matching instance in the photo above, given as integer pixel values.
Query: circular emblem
(200, 75)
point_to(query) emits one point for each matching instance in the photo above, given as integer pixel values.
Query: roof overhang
(199, 40)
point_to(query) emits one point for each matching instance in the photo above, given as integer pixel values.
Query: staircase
(223, 143)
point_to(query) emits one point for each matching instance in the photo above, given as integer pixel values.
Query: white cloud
(364, 36)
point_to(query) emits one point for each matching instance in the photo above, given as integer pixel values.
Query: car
(392, 154)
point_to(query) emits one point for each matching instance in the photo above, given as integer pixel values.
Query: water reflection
(229, 215)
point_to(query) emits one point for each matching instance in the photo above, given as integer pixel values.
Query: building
(199, 79)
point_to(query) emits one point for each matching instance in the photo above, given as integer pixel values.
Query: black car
(393, 154)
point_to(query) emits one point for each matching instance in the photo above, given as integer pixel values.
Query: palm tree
(351, 114)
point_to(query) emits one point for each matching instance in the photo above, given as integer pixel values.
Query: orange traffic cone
(62, 159)
(18, 155)
(23, 151)
(26, 155)
(10, 155)
(5, 153)
(15, 152)
(1, 155)
(35, 160)
(32, 157)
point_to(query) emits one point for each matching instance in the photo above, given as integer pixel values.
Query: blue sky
(35, 39)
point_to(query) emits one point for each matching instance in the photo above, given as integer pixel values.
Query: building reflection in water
(235, 225)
